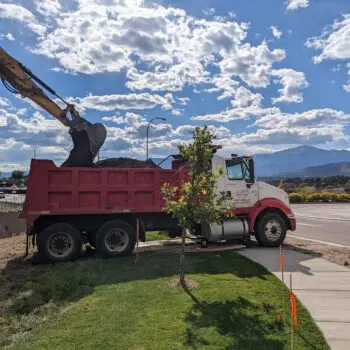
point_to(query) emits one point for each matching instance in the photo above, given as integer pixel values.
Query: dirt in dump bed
(125, 163)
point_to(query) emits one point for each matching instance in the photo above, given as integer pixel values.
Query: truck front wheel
(59, 242)
(115, 238)
(270, 230)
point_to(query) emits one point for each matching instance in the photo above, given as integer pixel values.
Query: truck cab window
(234, 170)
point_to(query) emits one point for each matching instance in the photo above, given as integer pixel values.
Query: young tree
(197, 201)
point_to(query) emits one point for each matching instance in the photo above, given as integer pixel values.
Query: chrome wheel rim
(116, 240)
(273, 230)
(60, 245)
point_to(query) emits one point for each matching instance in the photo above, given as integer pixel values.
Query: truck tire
(115, 238)
(59, 242)
(270, 230)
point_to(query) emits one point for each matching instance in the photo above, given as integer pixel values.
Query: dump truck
(66, 207)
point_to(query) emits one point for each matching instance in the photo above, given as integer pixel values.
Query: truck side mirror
(251, 170)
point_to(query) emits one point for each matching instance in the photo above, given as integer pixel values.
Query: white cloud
(275, 128)
(295, 4)
(252, 64)
(19, 13)
(276, 32)
(123, 102)
(34, 130)
(236, 114)
(333, 43)
(242, 97)
(175, 49)
(4, 101)
(9, 37)
(114, 119)
(292, 82)
(19, 136)
(209, 12)
(48, 7)
(176, 112)
(311, 118)
(232, 14)
(183, 100)
(293, 136)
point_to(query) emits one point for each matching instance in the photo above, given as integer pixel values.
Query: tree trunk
(182, 259)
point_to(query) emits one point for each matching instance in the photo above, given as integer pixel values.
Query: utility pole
(34, 152)
(149, 123)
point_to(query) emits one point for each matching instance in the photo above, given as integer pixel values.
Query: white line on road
(318, 241)
(320, 218)
(303, 224)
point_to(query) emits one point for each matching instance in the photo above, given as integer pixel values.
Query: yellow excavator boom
(14, 73)
(87, 138)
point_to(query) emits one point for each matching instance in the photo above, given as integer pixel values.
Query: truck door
(243, 193)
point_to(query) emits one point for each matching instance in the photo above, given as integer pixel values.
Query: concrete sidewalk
(323, 287)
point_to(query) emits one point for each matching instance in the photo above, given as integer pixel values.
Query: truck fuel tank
(229, 229)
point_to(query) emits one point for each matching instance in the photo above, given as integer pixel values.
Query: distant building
(12, 189)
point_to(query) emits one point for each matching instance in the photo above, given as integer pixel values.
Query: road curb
(319, 241)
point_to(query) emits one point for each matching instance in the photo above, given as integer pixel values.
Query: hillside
(299, 158)
(332, 169)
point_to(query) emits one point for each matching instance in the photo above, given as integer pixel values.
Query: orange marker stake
(283, 294)
(293, 313)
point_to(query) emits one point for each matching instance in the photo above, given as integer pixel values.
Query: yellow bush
(319, 197)
(296, 198)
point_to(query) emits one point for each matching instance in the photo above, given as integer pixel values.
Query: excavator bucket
(87, 140)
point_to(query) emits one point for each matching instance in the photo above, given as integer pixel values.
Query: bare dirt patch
(190, 284)
(12, 247)
(337, 255)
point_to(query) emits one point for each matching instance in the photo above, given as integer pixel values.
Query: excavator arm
(19, 79)
(87, 138)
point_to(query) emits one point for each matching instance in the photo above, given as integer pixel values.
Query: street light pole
(149, 123)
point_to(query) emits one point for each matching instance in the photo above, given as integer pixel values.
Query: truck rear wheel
(115, 238)
(270, 230)
(59, 242)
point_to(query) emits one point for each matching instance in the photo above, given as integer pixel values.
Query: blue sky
(265, 75)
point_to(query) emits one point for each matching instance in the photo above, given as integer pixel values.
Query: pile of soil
(125, 163)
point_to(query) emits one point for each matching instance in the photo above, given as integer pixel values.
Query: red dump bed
(62, 191)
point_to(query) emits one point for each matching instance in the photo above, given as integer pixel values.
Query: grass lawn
(156, 236)
(115, 304)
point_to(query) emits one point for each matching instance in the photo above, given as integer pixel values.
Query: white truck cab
(261, 209)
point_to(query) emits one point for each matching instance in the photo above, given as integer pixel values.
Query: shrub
(318, 197)
(296, 198)
(345, 197)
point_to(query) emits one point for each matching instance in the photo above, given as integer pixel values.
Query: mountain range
(303, 161)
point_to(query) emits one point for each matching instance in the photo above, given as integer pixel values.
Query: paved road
(325, 222)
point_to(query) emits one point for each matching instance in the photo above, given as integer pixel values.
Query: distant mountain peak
(292, 159)
(306, 147)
